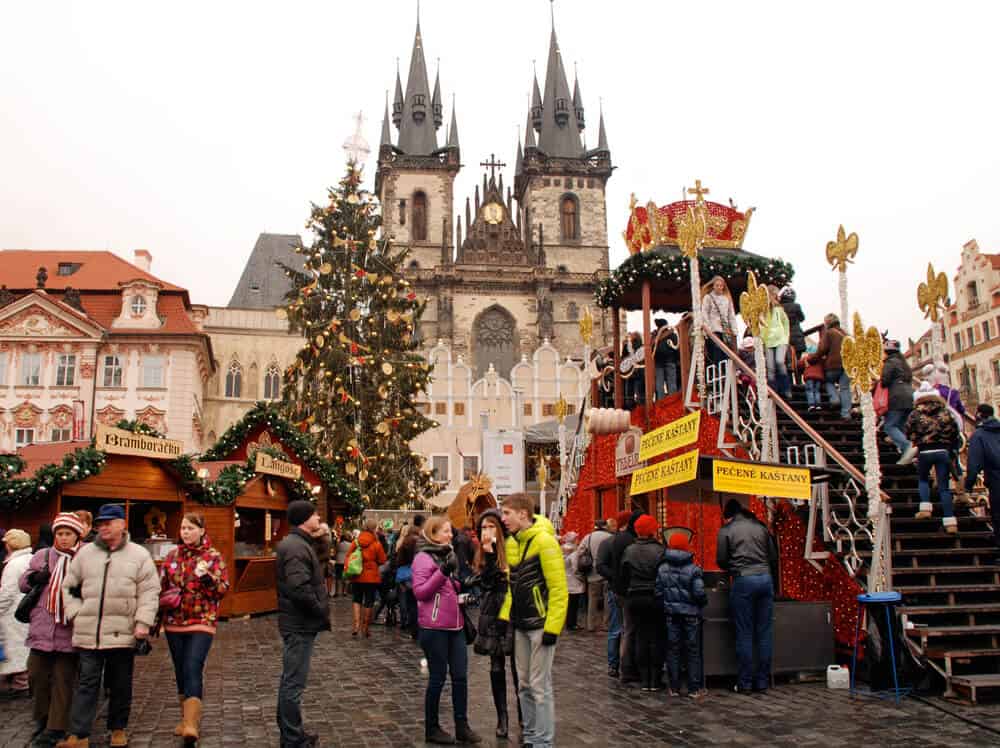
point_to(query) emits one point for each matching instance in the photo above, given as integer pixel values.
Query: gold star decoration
(862, 356)
(842, 252)
(932, 295)
(754, 304)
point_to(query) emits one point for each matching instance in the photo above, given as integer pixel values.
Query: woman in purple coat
(52, 662)
(442, 635)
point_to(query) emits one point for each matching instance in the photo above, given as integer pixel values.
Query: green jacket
(552, 595)
(774, 331)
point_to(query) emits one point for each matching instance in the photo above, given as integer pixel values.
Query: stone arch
(495, 341)
(569, 217)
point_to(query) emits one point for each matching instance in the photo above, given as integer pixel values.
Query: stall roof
(38, 456)
(547, 432)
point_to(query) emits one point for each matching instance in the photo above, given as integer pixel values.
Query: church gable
(493, 238)
(35, 316)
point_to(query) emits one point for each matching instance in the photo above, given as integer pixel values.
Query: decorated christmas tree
(355, 383)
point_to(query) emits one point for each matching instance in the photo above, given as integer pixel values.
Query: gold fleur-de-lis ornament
(932, 295)
(842, 251)
(586, 326)
(691, 230)
(862, 356)
(754, 304)
(561, 409)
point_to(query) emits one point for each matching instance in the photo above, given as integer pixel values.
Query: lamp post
(840, 254)
(754, 305)
(932, 297)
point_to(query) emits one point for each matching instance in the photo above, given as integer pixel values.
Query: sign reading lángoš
(680, 469)
(264, 463)
(761, 480)
(121, 442)
(673, 435)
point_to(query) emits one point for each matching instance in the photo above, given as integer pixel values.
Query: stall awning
(547, 432)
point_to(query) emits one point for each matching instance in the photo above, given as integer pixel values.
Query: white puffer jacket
(13, 633)
(116, 589)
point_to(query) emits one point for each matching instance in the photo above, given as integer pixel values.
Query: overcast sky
(187, 128)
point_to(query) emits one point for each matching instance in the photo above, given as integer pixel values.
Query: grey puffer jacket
(680, 584)
(107, 592)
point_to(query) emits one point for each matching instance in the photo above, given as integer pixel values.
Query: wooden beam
(616, 327)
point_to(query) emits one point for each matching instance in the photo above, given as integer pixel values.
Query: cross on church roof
(492, 165)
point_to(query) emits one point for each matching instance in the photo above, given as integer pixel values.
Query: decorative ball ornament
(386, 368)
(326, 268)
(281, 313)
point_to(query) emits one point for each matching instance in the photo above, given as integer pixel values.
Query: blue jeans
(684, 632)
(445, 650)
(295, 659)
(751, 603)
(777, 369)
(814, 394)
(940, 461)
(614, 629)
(838, 379)
(189, 652)
(892, 426)
(538, 701)
(666, 380)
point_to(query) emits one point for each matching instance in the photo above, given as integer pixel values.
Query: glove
(450, 565)
(549, 639)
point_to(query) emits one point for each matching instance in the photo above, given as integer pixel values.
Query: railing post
(616, 352)
(650, 372)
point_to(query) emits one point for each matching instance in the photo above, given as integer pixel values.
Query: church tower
(415, 176)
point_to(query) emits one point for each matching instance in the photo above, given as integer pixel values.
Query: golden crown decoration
(862, 356)
(841, 252)
(754, 304)
(932, 295)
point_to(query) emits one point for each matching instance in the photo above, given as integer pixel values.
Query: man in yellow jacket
(535, 605)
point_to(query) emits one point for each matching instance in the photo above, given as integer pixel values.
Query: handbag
(468, 626)
(170, 598)
(23, 611)
(355, 562)
(880, 400)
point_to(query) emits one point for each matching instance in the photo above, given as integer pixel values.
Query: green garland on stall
(16, 493)
(11, 465)
(675, 268)
(225, 489)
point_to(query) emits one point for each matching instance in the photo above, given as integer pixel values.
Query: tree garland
(658, 266)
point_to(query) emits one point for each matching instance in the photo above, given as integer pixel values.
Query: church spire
(535, 114)
(602, 136)
(560, 134)
(529, 138)
(519, 162)
(416, 132)
(386, 138)
(453, 129)
(577, 100)
(397, 100)
(436, 100)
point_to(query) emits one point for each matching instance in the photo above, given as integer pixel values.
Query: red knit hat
(646, 526)
(679, 542)
(622, 519)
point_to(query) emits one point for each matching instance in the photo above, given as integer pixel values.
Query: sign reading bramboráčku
(121, 442)
(676, 434)
(680, 469)
(627, 453)
(761, 480)
(264, 463)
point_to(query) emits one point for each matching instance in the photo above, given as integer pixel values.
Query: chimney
(143, 259)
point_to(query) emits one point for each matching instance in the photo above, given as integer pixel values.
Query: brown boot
(356, 612)
(192, 718)
(119, 739)
(72, 741)
(179, 730)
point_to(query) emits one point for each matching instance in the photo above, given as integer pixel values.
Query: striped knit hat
(69, 521)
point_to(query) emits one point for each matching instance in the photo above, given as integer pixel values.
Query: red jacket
(374, 556)
(811, 370)
(200, 592)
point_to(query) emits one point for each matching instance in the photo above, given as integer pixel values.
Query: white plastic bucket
(838, 677)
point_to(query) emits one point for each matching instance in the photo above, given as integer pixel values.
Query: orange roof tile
(104, 309)
(98, 271)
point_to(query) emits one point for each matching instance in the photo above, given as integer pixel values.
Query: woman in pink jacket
(442, 635)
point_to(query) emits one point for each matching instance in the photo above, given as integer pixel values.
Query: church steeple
(397, 100)
(535, 114)
(602, 136)
(386, 138)
(529, 138)
(578, 102)
(560, 133)
(436, 101)
(453, 129)
(417, 135)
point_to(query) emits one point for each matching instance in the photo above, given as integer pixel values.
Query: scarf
(440, 553)
(54, 600)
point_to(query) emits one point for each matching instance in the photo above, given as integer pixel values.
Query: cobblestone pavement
(370, 693)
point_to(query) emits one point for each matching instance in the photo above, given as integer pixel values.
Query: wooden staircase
(950, 583)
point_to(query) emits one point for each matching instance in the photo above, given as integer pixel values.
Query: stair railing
(847, 532)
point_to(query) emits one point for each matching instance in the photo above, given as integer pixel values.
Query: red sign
(508, 449)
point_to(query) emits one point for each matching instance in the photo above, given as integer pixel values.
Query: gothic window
(569, 218)
(402, 212)
(572, 313)
(272, 383)
(234, 380)
(495, 341)
(420, 217)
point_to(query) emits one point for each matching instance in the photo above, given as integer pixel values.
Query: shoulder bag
(23, 611)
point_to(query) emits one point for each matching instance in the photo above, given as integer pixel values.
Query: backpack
(355, 562)
(585, 558)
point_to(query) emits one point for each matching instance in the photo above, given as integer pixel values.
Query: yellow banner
(680, 469)
(761, 480)
(122, 442)
(675, 434)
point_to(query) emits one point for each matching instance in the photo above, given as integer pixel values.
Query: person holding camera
(194, 579)
(112, 593)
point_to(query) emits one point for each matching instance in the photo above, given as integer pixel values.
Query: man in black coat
(619, 583)
(984, 457)
(303, 611)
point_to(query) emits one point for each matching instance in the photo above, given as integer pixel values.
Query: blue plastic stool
(888, 599)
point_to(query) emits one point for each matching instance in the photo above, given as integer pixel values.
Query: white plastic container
(838, 677)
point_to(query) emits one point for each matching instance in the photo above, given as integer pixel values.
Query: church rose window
(568, 217)
(495, 341)
(420, 217)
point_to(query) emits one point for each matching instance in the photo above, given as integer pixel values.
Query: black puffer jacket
(897, 377)
(639, 567)
(302, 598)
(494, 638)
(795, 319)
(680, 583)
(622, 540)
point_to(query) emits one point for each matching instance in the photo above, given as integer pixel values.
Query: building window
(527, 409)
(568, 214)
(138, 306)
(972, 336)
(65, 370)
(234, 380)
(3, 368)
(112, 371)
(272, 383)
(440, 409)
(546, 182)
(31, 369)
(439, 468)
(572, 312)
(152, 371)
(424, 408)
(973, 293)
(68, 268)
(61, 435)
(402, 212)
(986, 331)
(958, 342)
(996, 371)
(470, 467)
(420, 217)
(548, 410)
(24, 437)
(459, 409)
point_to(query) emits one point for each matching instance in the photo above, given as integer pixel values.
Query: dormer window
(138, 306)
(68, 268)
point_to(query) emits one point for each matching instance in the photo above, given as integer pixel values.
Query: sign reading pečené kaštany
(121, 442)
(680, 469)
(761, 480)
(675, 434)
(264, 463)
